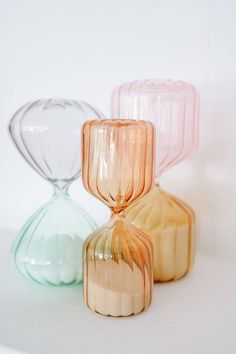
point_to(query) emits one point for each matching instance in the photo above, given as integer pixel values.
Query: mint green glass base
(48, 249)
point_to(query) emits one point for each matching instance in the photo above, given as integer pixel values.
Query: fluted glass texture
(173, 107)
(47, 133)
(170, 223)
(118, 169)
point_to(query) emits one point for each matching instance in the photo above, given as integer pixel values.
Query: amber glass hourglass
(173, 107)
(118, 169)
(47, 133)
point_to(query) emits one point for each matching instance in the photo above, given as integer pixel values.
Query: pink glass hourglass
(173, 107)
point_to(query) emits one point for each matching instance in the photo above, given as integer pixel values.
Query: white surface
(82, 49)
(194, 315)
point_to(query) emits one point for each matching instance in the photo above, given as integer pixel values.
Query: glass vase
(173, 108)
(47, 133)
(118, 169)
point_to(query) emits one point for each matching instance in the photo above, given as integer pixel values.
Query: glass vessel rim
(118, 122)
(158, 85)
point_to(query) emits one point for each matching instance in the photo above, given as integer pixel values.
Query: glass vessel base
(170, 223)
(118, 269)
(49, 247)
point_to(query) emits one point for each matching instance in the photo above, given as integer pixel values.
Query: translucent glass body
(47, 133)
(171, 225)
(173, 107)
(118, 258)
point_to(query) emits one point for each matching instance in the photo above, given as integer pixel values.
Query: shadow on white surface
(194, 315)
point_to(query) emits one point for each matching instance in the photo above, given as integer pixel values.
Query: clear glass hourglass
(118, 168)
(47, 133)
(173, 108)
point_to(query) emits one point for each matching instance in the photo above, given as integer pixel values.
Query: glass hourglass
(173, 108)
(118, 168)
(47, 133)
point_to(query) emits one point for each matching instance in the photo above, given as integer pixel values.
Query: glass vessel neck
(61, 189)
(119, 212)
(157, 181)
(118, 216)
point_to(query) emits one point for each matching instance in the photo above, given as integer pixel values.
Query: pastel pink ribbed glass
(173, 107)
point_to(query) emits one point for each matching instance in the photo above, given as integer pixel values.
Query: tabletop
(196, 314)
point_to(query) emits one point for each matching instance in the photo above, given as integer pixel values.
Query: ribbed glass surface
(170, 223)
(47, 133)
(173, 107)
(118, 258)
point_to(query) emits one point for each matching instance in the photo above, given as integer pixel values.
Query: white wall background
(82, 49)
